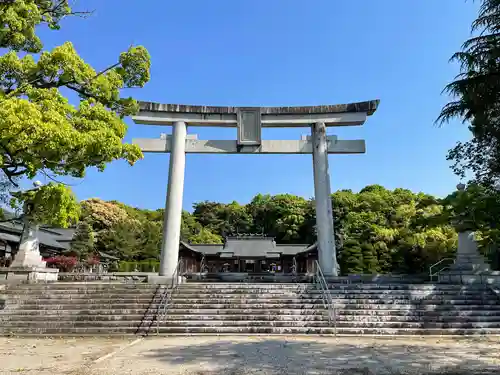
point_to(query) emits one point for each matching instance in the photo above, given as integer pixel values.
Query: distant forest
(377, 230)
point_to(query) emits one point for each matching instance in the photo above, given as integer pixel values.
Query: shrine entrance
(249, 122)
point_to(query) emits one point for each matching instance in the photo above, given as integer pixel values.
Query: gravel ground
(238, 355)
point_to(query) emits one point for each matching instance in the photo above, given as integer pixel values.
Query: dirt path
(249, 355)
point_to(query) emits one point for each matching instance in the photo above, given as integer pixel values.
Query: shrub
(64, 263)
(92, 260)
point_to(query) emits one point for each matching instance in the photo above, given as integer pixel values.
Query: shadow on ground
(275, 356)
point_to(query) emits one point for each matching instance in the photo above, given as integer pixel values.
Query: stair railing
(432, 269)
(167, 296)
(149, 315)
(320, 282)
(495, 289)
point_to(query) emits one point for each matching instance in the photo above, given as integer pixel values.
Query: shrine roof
(249, 247)
(11, 231)
(368, 107)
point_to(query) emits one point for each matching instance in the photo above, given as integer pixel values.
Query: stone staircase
(230, 308)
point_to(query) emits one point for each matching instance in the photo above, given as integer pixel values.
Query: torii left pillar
(173, 205)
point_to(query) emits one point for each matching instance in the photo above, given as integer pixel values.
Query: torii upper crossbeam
(249, 122)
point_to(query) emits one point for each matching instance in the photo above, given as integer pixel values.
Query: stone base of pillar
(28, 274)
(468, 277)
(28, 258)
(470, 267)
(165, 280)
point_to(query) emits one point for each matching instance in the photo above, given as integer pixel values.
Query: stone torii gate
(249, 122)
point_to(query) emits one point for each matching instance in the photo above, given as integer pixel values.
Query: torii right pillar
(327, 257)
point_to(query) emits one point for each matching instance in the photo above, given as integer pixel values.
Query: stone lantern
(469, 265)
(28, 259)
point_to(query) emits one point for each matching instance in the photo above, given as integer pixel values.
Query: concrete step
(90, 301)
(179, 299)
(78, 306)
(264, 295)
(37, 292)
(427, 287)
(310, 298)
(263, 300)
(292, 306)
(85, 286)
(245, 317)
(351, 294)
(377, 314)
(308, 323)
(149, 317)
(121, 331)
(340, 306)
(245, 291)
(121, 306)
(65, 286)
(107, 311)
(252, 323)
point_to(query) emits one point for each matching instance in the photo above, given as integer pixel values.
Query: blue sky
(284, 52)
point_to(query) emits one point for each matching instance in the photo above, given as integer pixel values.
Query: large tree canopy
(41, 131)
(476, 93)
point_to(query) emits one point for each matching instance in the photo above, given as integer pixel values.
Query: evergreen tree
(83, 242)
(384, 257)
(476, 98)
(370, 261)
(351, 260)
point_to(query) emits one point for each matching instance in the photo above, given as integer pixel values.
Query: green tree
(193, 232)
(149, 240)
(83, 242)
(351, 258)
(52, 204)
(209, 215)
(476, 97)
(370, 260)
(121, 240)
(205, 236)
(381, 230)
(477, 208)
(40, 131)
(103, 215)
(283, 216)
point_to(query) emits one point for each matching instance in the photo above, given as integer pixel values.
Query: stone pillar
(324, 215)
(173, 206)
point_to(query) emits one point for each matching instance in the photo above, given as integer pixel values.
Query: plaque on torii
(249, 122)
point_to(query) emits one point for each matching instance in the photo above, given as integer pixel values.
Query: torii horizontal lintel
(194, 146)
(302, 116)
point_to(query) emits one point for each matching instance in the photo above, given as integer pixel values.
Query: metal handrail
(495, 290)
(431, 275)
(167, 296)
(320, 280)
